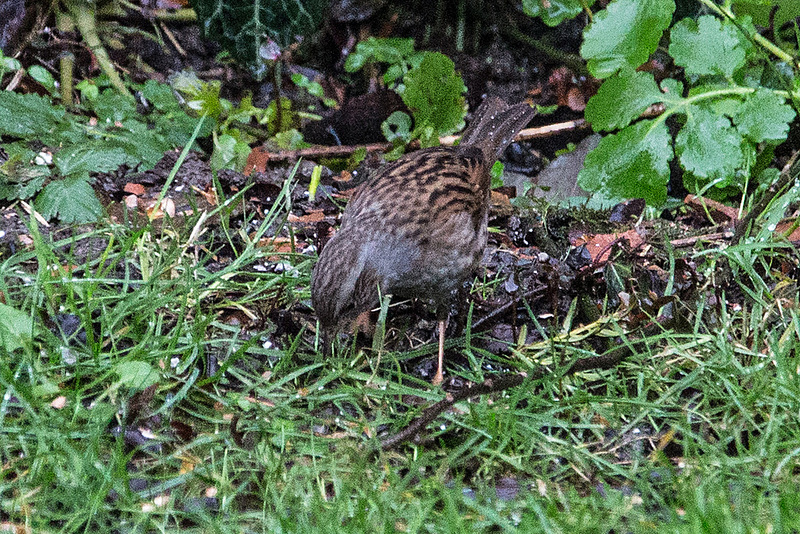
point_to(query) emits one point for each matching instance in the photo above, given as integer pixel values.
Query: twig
(500, 383)
(510, 304)
(344, 151)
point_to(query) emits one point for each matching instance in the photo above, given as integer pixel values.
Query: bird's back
(418, 227)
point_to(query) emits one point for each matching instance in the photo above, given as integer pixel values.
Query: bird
(417, 228)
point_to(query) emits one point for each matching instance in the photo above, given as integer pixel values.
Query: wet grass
(147, 393)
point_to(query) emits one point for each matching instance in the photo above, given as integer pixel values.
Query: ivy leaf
(433, 92)
(631, 164)
(764, 117)
(708, 145)
(625, 34)
(553, 12)
(229, 152)
(706, 47)
(72, 199)
(247, 29)
(621, 99)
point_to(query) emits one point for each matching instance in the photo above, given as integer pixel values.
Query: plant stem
(84, 19)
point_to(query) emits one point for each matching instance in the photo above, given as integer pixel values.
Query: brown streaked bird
(417, 228)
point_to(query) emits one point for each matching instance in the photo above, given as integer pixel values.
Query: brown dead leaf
(599, 245)
(278, 244)
(500, 205)
(256, 161)
(313, 216)
(134, 188)
(209, 196)
(719, 212)
(785, 226)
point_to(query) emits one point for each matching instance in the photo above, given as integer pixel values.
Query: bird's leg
(439, 377)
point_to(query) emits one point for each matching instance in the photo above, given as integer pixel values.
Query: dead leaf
(134, 188)
(256, 161)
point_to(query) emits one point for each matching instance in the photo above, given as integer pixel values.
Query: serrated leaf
(625, 34)
(553, 12)
(706, 46)
(764, 117)
(621, 99)
(72, 199)
(27, 115)
(140, 144)
(20, 180)
(631, 164)
(433, 93)
(112, 107)
(94, 157)
(708, 145)
(160, 95)
(16, 328)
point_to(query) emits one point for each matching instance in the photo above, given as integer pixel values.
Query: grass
(149, 395)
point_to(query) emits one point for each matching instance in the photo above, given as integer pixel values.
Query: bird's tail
(494, 126)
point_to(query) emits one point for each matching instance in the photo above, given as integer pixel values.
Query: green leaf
(707, 46)
(112, 107)
(289, 140)
(8, 63)
(229, 153)
(249, 30)
(764, 117)
(136, 143)
(708, 145)
(625, 34)
(553, 12)
(19, 178)
(137, 375)
(621, 99)
(27, 115)
(94, 157)
(89, 90)
(72, 199)
(16, 328)
(160, 95)
(43, 76)
(631, 164)
(393, 50)
(397, 127)
(433, 93)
